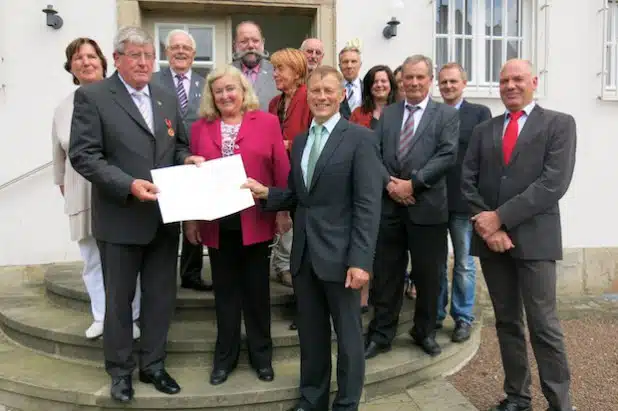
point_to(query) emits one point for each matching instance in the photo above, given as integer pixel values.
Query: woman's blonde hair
(208, 108)
(294, 59)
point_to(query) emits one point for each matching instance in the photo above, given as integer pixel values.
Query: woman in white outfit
(87, 64)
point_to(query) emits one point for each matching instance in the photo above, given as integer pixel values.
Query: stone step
(65, 288)
(32, 381)
(30, 319)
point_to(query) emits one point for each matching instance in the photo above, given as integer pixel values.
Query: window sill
(474, 92)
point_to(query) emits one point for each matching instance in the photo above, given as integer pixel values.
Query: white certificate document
(207, 192)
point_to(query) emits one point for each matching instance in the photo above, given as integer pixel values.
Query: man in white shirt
(350, 64)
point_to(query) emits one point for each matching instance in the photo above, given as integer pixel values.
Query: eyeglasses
(178, 47)
(137, 56)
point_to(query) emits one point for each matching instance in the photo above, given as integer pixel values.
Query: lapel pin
(159, 103)
(197, 83)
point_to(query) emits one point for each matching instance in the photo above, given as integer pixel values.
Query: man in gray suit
(517, 167)
(336, 193)
(187, 86)
(122, 128)
(252, 60)
(419, 140)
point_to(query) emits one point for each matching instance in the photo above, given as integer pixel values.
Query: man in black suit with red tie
(516, 169)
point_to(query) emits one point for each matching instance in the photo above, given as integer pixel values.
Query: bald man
(517, 167)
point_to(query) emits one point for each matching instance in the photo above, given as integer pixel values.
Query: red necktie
(510, 135)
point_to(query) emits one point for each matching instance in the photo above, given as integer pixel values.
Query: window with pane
(481, 35)
(610, 68)
(204, 36)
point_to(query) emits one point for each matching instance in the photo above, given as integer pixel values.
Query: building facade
(573, 45)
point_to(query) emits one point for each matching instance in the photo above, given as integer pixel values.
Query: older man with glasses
(187, 85)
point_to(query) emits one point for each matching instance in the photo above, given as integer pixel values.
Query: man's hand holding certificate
(208, 191)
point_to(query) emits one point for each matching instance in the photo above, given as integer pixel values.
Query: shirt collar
(355, 82)
(187, 74)
(528, 109)
(329, 124)
(458, 105)
(255, 69)
(131, 90)
(422, 105)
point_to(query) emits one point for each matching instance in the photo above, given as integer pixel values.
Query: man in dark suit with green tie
(335, 188)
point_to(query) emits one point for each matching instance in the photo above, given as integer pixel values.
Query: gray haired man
(187, 86)
(122, 128)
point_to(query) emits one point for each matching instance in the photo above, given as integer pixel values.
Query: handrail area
(25, 175)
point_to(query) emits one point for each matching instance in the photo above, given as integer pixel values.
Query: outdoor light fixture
(53, 19)
(391, 26)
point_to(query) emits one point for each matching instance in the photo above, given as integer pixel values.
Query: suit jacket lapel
(334, 139)
(298, 149)
(426, 118)
(168, 80)
(160, 119)
(497, 136)
(124, 100)
(195, 92)
(527, 132)
(395, 134)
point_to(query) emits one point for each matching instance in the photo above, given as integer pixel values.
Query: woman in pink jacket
(238, 245)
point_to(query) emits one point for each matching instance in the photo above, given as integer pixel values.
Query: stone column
(128, 13)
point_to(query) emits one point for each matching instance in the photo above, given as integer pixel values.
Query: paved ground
(590, 326)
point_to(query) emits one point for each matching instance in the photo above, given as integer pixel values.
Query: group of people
(353, 180)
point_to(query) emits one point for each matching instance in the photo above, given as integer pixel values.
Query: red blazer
(361, 118)
(297, 118)
(260, 144)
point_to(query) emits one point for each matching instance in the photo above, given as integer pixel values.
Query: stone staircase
(47, 364)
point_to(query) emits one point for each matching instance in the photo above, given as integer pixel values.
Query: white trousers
(93, 279)
(281, 252)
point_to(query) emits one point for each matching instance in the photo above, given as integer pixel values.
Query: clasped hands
(401, 191)
(144, 190)
(487, 225)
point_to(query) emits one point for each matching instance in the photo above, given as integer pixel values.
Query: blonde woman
(238, 245)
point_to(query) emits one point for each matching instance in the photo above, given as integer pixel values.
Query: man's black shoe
(161, 380)
(372, 349)
(507, 405)
(196, 284)
(461, 332)
(121, 389)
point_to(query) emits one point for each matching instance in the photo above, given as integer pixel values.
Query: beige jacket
(76, 188)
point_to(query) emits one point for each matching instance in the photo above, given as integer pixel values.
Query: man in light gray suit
(419, 139)
(187, 86)
(122, 128)
(517, 167)
(336, 193)
(251, 59)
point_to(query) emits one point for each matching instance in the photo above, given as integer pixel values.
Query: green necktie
(314, 154)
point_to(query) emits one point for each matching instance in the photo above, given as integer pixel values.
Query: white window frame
(534, 44)
(609, 13)
(163, 63)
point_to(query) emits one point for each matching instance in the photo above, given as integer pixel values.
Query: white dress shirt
(357, 97)
(521, 121)
(329, 126)
(418, 114)
(145, 91)
(186, 82)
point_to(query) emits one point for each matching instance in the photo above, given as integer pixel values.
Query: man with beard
(251, 59)
(314, 52)
(187, 87)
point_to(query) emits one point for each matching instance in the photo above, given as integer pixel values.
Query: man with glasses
(314, 51)
(122, 128)
(187, 85)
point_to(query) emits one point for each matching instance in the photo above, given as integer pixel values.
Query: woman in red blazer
(290, 74)
(238, 245)
(382, 87)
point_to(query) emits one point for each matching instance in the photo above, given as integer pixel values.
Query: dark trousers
(514, 286)
(428, 248)
(241, 285)
(121, 263)
(191, 260)
(317, 302)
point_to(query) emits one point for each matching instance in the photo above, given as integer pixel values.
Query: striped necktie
(407, 133)
(142, 105)
(181, 93)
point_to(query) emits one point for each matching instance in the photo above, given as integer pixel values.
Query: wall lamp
(391, 28)
(53, 19)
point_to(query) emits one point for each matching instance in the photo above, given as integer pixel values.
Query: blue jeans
(464, 272)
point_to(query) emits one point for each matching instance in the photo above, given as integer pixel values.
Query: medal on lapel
(170, 130)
